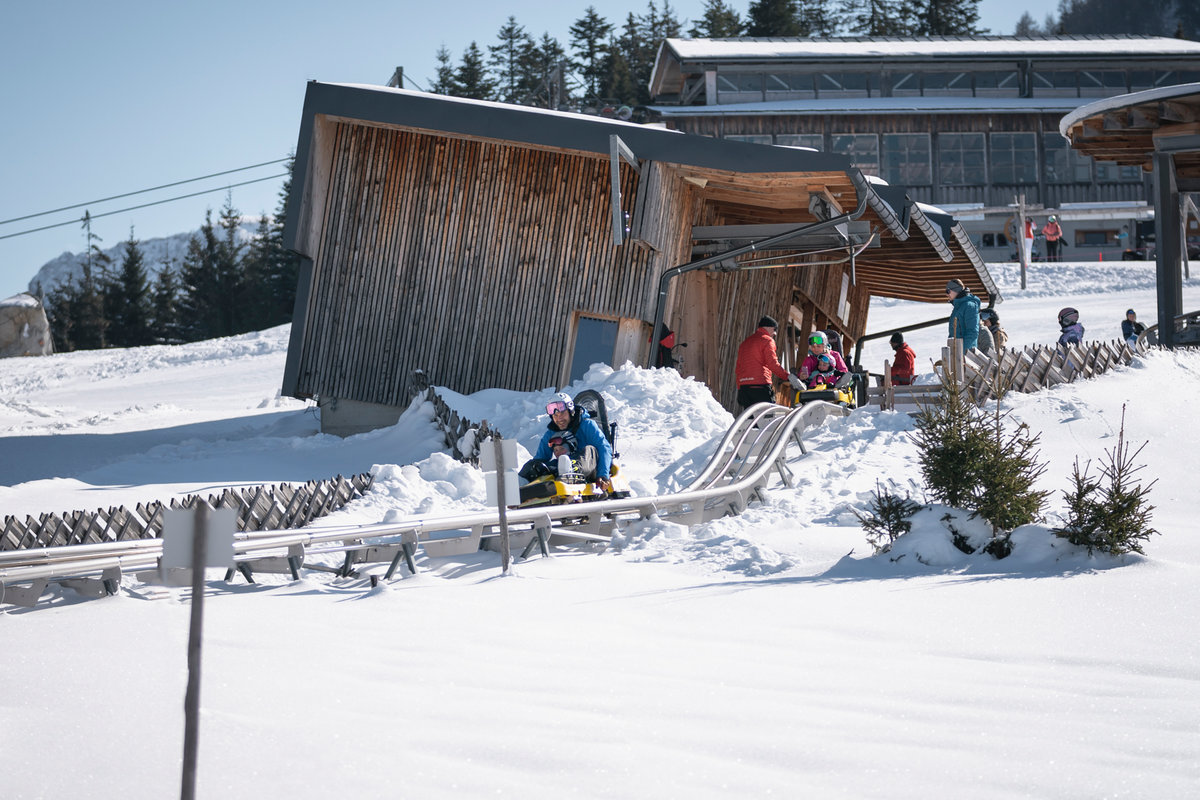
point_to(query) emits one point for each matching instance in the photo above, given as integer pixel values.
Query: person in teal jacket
(964, 319)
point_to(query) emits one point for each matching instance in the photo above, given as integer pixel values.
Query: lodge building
(473, 245)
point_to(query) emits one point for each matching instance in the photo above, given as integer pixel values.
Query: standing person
(756, 363)
(1072, 331)
(1053, 233)
(1131, 329)
(904, 368)
(991, 320)
(964, 319)
(1030, 230)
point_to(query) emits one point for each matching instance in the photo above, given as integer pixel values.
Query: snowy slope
(769, 653)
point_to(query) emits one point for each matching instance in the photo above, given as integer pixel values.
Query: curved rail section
(753, 448)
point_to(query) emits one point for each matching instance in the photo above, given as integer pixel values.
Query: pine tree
(887, 518)
(284, 265)
(589, 34)
(719, 20)
(90, 323)
(773, 18)
(543, 81)
(230, 294)
(816, 18)
(874, 17)
(444, 82)
(61, 304)
(164, 311)
(130, 299)
(199, 317)
(1026, 26)
(1109, 513)
(508, 59)
(972, 462)
(948, 18)
(471, 79)
(256, 308)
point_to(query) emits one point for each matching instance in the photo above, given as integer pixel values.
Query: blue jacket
(964, 320)
(1072, 334)
(581, 431)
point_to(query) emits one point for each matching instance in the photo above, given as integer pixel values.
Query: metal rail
(738, 471)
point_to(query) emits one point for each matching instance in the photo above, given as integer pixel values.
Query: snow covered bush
(970, 461)
(888, 518)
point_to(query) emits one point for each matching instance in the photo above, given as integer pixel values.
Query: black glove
(533, 469)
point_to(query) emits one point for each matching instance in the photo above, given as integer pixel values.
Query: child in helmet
(818, 345)
(826, 374)
(1072, 331)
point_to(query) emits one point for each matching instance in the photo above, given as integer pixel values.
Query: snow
(768, 653)
(20, 301)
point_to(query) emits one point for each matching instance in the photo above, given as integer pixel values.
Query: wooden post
(191, 700)
(505, 552)
(1021, 237)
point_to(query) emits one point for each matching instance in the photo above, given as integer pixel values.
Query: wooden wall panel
(467, 259)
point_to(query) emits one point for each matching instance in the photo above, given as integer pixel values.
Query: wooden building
(471, 245)
(968, 124)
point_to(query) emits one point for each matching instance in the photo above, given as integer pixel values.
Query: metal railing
(741, 467)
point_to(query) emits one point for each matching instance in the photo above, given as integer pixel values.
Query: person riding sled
(818, 345)
(579, 437)
(826, 374)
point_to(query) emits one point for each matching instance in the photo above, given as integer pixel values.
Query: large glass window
(1108, 172)
(789, 86)
(905, 159)
(961, 159)
(1049, 83)
(1064, 164)
(1014, 158)
(595, 342)
(847, 84)
(863, 149)
(934, 84)
(906, 84)
(997, 84)
(1097, 83)
(814, 140)
(739, 87)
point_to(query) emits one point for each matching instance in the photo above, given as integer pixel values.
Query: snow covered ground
(770, 653)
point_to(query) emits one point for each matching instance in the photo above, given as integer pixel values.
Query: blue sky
(100, 99)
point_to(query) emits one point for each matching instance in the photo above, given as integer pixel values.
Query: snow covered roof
(1041, 47)
(859, 105)
(1122, 101)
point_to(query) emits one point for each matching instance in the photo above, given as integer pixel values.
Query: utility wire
(146, 205)
(141, 191)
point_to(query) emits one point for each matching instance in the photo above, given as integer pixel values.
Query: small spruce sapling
(1109, 513)
(888, 518)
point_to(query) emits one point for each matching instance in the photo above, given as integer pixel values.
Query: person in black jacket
(1131, 329)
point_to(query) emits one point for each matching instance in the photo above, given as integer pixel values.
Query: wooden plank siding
(467, 259)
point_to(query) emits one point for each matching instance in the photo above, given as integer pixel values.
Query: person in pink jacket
(818, 345)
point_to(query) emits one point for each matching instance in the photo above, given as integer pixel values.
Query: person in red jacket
(905, 365)
(756, 363)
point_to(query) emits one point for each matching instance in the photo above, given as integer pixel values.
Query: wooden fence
(462, 436)
(258, 508)
(1018, 370)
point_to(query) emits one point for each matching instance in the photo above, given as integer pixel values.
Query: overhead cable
(142, 191)
(145, 205)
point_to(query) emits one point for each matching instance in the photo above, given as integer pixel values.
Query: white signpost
(498, 460)
(195, 538)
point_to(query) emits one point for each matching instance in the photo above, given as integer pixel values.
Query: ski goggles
(556, 406)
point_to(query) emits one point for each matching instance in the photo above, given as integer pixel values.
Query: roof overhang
(1131, 128)
(744, 183)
